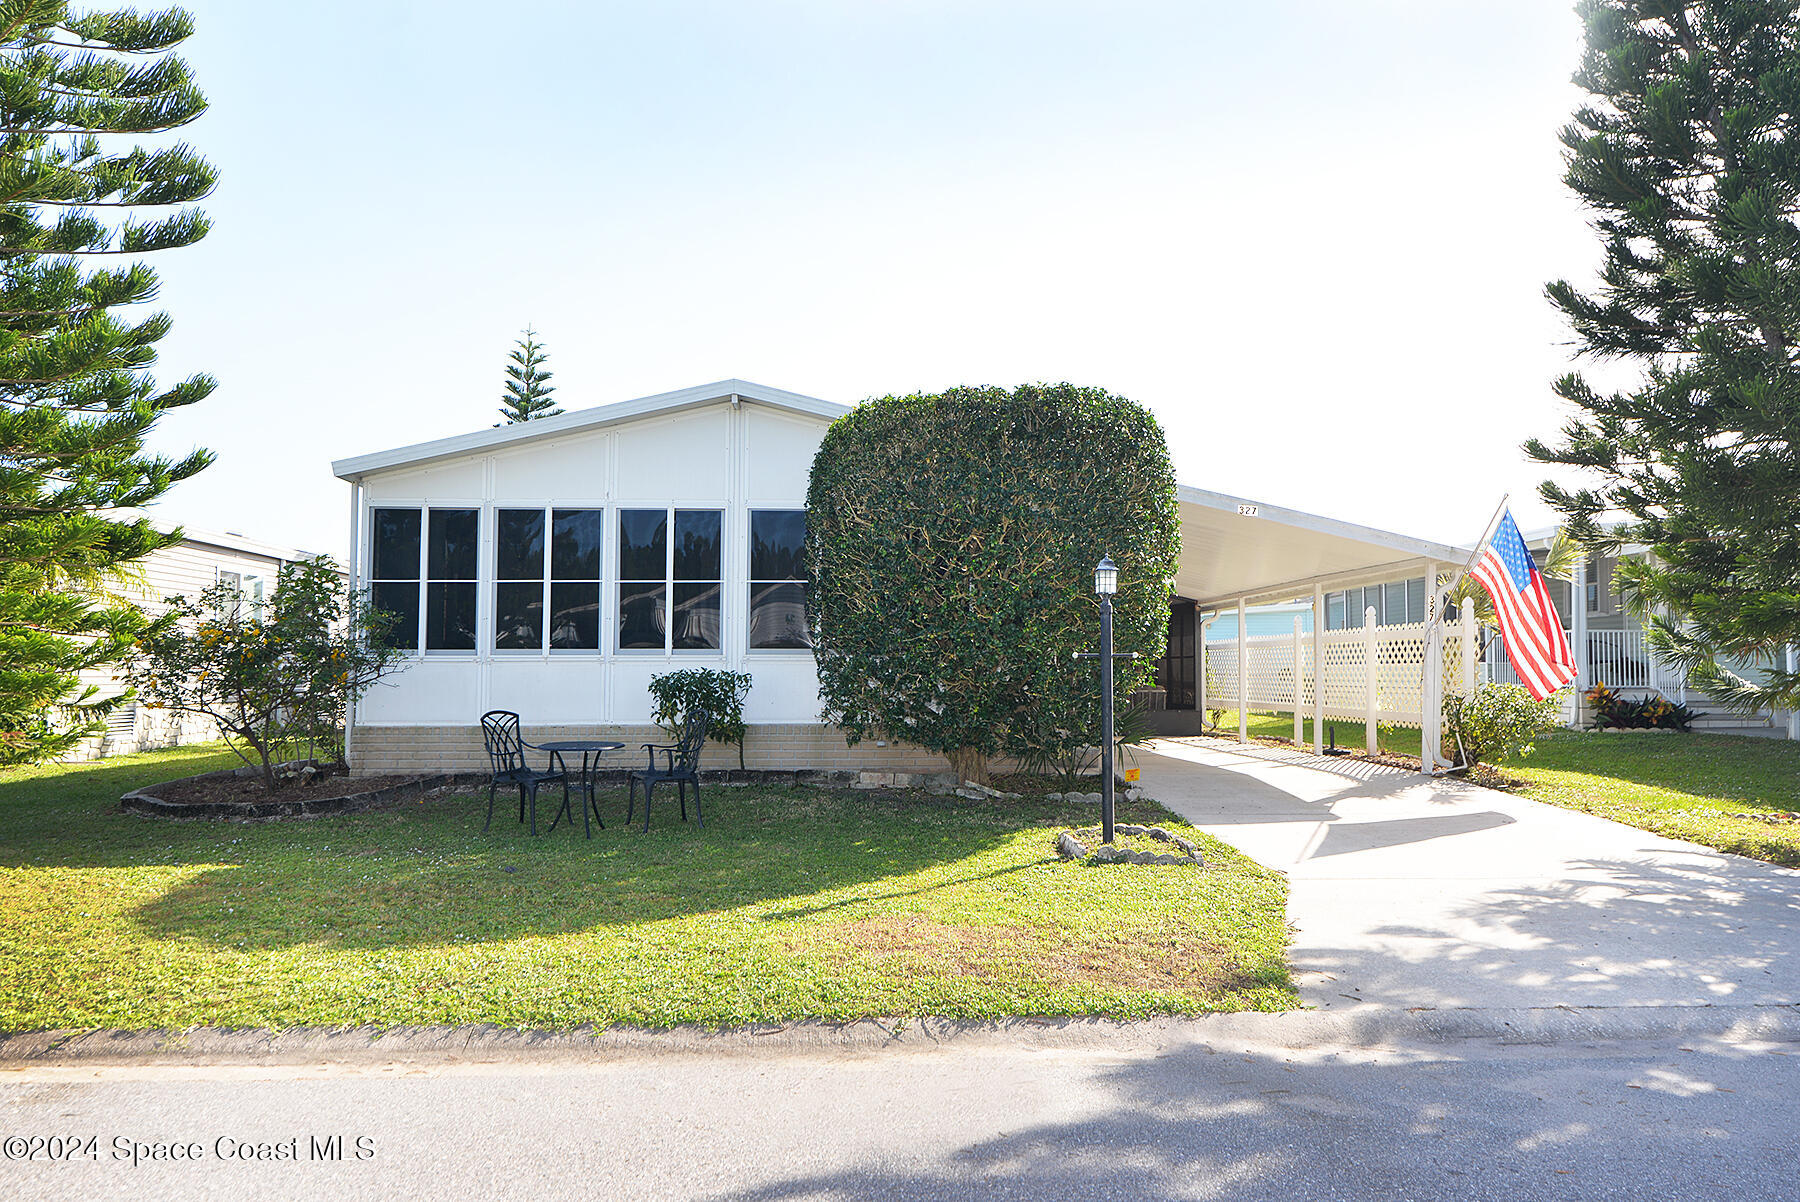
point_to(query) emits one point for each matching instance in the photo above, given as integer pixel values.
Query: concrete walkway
(1410, 891)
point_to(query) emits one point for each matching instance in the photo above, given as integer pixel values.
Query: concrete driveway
(1410, 891)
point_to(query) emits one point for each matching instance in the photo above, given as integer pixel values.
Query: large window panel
(518, 580)
(394, 562)
(696, 568)
(643, 579)
(575, 538)
(778, 580)
(451, 541)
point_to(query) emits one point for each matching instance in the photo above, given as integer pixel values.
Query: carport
(1237, 552)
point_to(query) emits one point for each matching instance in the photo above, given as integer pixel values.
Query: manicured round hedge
(953, 538)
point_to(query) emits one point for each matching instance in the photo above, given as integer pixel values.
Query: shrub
(1611, 711)
(952, 539)
(1499, 722)
(720, 694)
(267, 679)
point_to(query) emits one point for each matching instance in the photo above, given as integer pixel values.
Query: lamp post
(1106, 583)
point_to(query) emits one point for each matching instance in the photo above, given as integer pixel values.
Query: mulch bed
(237, 795)
(248, 789)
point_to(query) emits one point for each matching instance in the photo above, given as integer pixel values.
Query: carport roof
(1232, 547)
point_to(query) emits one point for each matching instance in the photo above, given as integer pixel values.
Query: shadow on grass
(425, 875)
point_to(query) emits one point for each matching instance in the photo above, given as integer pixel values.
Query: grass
(1394, 740)
(791, 903)
(1685, 786)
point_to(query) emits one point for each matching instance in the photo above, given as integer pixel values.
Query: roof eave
(356, 467)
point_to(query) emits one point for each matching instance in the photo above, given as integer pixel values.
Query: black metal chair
(506, 754)
(681, 764)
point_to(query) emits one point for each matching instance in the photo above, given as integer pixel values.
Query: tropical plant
(1614, 712)
(720, 694)
(528, 386)
(952, 539)
(1071, 759)
(1685, 157)
(1499, 722)
(267, 679)
(77, 404)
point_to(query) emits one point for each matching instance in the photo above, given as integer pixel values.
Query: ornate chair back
(693, 738)
(500, 732)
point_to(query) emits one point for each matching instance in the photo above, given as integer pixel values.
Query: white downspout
(352, 563)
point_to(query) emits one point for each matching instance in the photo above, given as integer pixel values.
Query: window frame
(368, 579)
(668, 583)
(751, 581)
(492, 580)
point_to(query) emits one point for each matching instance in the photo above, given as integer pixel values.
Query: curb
(1354, 1027)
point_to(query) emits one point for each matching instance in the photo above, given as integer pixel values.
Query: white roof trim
(1354, 551)
(356, 467)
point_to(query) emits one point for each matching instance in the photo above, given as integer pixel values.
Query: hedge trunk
(969, 764)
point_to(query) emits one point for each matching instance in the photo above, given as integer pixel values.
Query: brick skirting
(375, 750)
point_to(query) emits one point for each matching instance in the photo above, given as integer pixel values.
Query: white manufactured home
(553, 567)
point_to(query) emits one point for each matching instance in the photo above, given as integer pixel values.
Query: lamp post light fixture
(1106, 583)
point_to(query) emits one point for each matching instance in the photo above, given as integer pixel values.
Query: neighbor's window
(1592, 587)
(655, 570)
(394, 572)
(450, 563)
(569, 591)
(778, 580)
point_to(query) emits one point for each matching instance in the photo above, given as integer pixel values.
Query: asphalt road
(1112, 1118)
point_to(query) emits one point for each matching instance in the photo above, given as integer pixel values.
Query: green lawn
(791, 903)
(1686, 786)
(1394, 740)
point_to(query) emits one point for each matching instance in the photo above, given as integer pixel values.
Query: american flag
(1528, 619)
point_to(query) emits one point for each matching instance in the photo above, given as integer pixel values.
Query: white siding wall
(719, 456)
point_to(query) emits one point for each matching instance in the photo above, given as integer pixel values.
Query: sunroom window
(655, 569)
(778, 580)
(558, 576)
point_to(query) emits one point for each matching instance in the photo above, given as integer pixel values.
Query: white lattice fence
(1399, 662)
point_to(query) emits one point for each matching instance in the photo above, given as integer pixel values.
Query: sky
(1312, 237)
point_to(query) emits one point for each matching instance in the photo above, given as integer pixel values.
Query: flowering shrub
(267, 677)
(1499, 722)
(1614, 712)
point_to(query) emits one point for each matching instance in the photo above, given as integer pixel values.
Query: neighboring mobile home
(202, 559)
(553, 567)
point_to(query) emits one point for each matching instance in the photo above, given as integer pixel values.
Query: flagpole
(1486, 534)
(1434, 640)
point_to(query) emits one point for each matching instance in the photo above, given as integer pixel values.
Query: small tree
(264, 676)
(720, 694)
(528, 386)
(952, 540)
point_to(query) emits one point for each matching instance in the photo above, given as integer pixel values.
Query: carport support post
(1243, 679)
(1299, 685)
(1371, 681)
(1318, 669)
(1200, 663)
(1466, 615)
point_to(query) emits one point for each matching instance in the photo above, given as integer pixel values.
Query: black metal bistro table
(591, 750)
